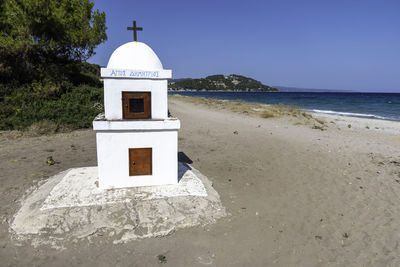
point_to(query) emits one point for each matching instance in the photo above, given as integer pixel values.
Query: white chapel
(137, 143)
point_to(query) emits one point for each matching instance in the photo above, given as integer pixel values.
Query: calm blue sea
(385, 106)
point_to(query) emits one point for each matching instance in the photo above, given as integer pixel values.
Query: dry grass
(36, 129)
(297, 115)
(11, 134)
(41, 128)
(318, 127)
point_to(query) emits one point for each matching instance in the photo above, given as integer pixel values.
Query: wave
(362, 115)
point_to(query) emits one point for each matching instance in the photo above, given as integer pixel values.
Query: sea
(383, 106)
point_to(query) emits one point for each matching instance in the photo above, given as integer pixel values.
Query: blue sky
(331, 44)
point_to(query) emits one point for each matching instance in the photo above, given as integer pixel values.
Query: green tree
(40, 40)
(43, 76)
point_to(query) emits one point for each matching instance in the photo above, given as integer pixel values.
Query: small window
(136, 105)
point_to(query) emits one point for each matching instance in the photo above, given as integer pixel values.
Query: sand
(297, 196)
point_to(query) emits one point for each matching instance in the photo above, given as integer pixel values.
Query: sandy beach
(296, 195)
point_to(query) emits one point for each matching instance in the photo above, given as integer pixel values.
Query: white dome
(134, 55)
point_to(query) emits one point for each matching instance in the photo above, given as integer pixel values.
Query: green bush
(25, 105)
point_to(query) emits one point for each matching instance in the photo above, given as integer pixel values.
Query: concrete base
(70, 206)
(79, 188)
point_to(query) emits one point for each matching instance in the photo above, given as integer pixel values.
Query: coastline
(330, 120)
(381, 106)
(367, 124)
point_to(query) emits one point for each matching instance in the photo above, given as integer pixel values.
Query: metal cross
(134, 29)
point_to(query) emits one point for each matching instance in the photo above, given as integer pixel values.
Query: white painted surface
(113, 89)
(78, 188)
(134, 67)
(113, 157)
(136, 125)
(134, 55)
(136, 74)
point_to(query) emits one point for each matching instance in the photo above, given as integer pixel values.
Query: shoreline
(329, 120)
(321, 111)
(362, 123)
(349, 115)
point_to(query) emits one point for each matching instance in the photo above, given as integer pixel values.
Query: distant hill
(232, 82)
(311, 90)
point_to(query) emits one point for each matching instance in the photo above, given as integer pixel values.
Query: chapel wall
(113, 89)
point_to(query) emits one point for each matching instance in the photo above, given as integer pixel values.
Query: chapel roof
(134, 55)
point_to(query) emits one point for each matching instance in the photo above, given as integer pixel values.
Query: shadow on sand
(183, 167)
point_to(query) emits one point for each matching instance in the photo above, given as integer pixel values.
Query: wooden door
(136, 105)
(140, 161)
